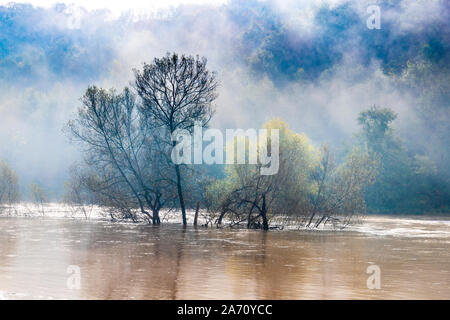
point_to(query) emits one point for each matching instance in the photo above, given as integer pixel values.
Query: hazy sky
(116, 7)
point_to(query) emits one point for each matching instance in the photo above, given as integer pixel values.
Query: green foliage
(431, 82)
(247, 196)
(405, 183)
(309, 188)
(376, 126)
(349, 184)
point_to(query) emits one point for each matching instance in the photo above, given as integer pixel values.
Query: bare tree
(122, 149)
(9, 186)
(344, 195)
(320, 175)
(39, 196)
(77, 192)
(255, 199)
(339, 189)
(176, 91)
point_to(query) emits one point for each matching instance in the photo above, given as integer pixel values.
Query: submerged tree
(128, 161)
(176, 92)
(320, 176)
(77, 191)
(39, 196)
(308, 190)
(247, 196)
(344, 189)
(9, 186)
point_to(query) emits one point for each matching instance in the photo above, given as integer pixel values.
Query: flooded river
(62, 258)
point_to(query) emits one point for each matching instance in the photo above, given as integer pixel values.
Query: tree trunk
(264, 214)
(180, 194)
(219, 220)
(249, 218)
(155, 207)
(156, 219)
(311, 219)
(196, 213)
(319, 222)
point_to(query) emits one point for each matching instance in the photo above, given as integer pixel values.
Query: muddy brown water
(124, 261)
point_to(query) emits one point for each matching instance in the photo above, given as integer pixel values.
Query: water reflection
(169, 262)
